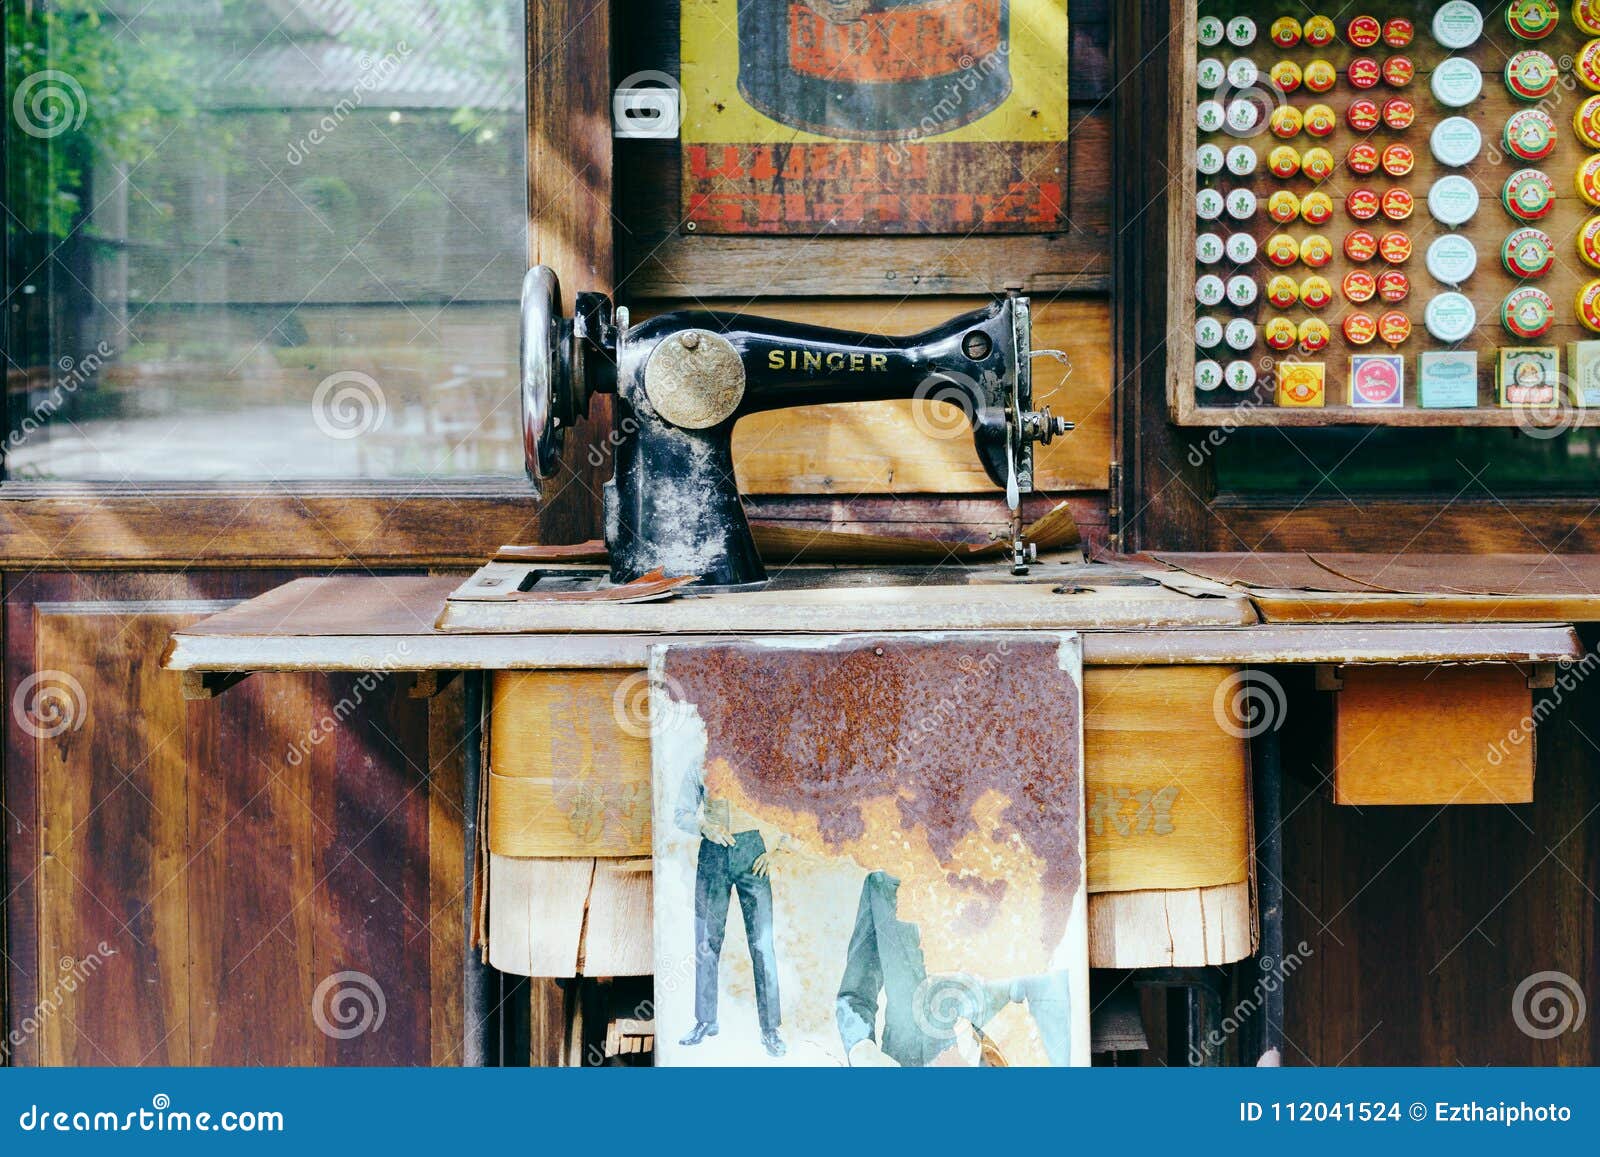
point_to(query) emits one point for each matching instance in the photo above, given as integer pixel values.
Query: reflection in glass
(263, 239)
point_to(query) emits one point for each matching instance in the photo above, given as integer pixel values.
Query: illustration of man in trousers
(730, 861)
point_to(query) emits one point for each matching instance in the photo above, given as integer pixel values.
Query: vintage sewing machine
(683, 379)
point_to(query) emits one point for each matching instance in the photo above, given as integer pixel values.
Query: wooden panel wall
(186, 878)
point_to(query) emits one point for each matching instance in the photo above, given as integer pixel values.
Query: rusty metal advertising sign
(874, 116)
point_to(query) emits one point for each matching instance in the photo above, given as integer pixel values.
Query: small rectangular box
(1302, 383)
(1433, 735)
(1448, 380)
(1529, 376)
(1377, 381)
(1583, 371)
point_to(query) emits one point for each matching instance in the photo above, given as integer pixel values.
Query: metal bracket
(1329, 677)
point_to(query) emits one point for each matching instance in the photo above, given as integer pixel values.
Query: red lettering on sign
(907, 43)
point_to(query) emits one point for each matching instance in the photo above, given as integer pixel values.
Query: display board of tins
(1396, 207)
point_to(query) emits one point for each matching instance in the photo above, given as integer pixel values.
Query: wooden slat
(536, 912)
(1176, 929)
(446, 871)
(618, 939)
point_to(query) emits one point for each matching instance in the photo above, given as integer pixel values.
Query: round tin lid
(1241, 160)
(1210, 116)
(1455, 141)
(1285, 32)
(1528, 312)
(1241, 31)
(1587, 66)
(1528, 194)
(1208, 159)
(1589, 242)
(1398, 31)
(1586, 122)
(1320, 31)
(1450, 317)
(1242, 290)
(1210, 73)
(1209, 30)
(1532, 19)
(1359, 328)
(1316, 250)
(1530, 134)
(1240, 334)
(1363, 31)
(1393, 286)
(1457, 24)
(1453, 200)
(1314, 334)
(1207, 375)
(1283, 206)
(1283, 291)
(1456, 82)
(1243, 73)
(1284, 161)
(1531, 74)
(1587, 306)
(1359, 286)
(1286, 76)
(1452, 259)
(1320, 75)
(1209, 290)
(1317, 164)
(1241, 248)
(1394, 327)
(1527, 252)
(1241, 204)
(1280, 333)
(1208, 249)
(1243, 115)
(1240, 376)
(1398, 159)
(1586, 15)
(1208, 204)
(1588, 181)
(1207, 332)
(1316, 292)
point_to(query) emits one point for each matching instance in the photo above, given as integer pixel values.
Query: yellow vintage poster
(874, 116)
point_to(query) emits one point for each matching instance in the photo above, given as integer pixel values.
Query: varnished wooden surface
(226, 879)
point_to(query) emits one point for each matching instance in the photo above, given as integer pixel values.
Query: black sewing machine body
(682, 380)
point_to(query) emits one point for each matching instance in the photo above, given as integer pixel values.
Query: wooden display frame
(1487, 288)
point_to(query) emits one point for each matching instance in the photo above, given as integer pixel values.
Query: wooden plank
(536, 910)
(1446, 735)
(44, 525)
(446, 871)
(570, 217)
(1167, 787)
(618, 940)
(1184, 929)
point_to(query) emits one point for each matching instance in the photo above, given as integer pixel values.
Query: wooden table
(1127, 622)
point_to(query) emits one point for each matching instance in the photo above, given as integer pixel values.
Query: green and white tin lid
(1452, 259)
(1208, 204)
(1208, 159)
(1207, 333)
(1209, 290)
(1242, 248)
(1242, 291)
(1243, 115)
(1241, 204)
(1240, 376)
(1241, 31)
(1242, 160)
(1456, 141)
(1457, 24)
(1240, 334)
(1450, 317)
(1210, 116)
(1457, 82)
(1243, 73)
(1453, 200)
(1208, 249)
(1210, 73)
(1207, 375)
(1209, 31)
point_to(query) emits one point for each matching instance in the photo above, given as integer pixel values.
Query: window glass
(263, 239)
(1549, 458)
